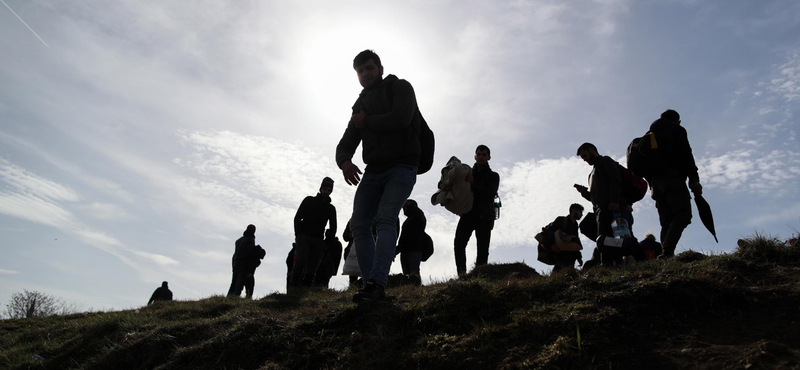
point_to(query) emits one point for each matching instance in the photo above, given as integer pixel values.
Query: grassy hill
(732, 311)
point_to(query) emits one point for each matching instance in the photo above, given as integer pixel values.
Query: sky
(139, 138)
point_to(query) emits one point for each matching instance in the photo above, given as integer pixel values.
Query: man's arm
(614, 180)
(332, 219)
(153, 297)
(301, 213)
(686, 159)
(404, 106)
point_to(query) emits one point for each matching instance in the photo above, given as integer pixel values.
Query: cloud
(105, 211)
(788, 83)
(26, 182)
(8, 272)
(751, 171)
(157, 258)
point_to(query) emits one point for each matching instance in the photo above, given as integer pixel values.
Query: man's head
(368, 67)
(250, 230)
(164, 285)
(588, 152)
(650, 236)
(327, 186)
(576, 211)
(482, 154)
(671, 116)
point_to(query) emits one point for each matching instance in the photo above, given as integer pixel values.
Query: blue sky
(138, 139)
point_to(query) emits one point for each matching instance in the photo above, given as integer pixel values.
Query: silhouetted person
(651, 247)
(309, 230)
(386, 119)
(161, 293)
(480, 219)
(604, 192)
(244, 257)
(563, 240)
(329, 265)
(669, 179)
(411, 244)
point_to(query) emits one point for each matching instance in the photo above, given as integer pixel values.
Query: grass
(497, 316)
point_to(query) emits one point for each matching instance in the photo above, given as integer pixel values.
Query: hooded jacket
(312, 216)
(412, 238)
(245, 252)
(390, 135)
(677, 158)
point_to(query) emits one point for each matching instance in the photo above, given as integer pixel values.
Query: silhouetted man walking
(309, 230)
(243, 258)
(669, 180)
(480, 219)
(386, 119)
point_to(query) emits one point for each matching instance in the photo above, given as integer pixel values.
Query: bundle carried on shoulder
(454, 193)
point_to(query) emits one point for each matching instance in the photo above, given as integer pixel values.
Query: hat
(327, 182)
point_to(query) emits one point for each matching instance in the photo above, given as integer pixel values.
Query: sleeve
(332, 220)
(153, 297)
(404, 107)
(686, 158)
(614, 179)
(300, 214)
(347, 144)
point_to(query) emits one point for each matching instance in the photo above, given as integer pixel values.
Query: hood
(324, 197)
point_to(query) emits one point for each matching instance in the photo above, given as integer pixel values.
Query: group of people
(667, 179)
(386, 121)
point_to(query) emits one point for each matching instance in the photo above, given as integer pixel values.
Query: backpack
(427, 248)
(643, 155)
(427, 141)
(633, 187)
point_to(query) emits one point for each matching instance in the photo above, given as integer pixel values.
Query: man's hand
(580, 188)
(614, 207)
(697, 189)
(350, 173)
(358, 119)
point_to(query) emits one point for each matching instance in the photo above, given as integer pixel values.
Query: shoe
(371, 291)
(666, 255)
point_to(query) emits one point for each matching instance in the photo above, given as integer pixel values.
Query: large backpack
(644, 156)
(633, 187)
(427, 142)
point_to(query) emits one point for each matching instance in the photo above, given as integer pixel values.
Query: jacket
(484, 189)
(412, 237)
(313, 214)
(677, 158)
(604, 184)
(390, 135)
(244, 256)
(454, 193)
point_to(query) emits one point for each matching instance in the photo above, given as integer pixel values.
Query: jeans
(308, 253)
(380, 197)
(242, 279)
(468, 223)
(410, 262)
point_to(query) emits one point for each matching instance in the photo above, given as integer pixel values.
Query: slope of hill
(732, 311)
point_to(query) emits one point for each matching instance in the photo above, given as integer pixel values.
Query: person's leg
(680, 206)
(302, 250)
(365, 206)
(463, 232)
(233, 283)
(316, 252)
(413, 261)
(483, 235)
(398, 182)
(404, 263)
(250, 284)
(239, 280)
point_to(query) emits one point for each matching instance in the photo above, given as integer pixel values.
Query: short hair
(413, 202)
(483, 147)
(671, 115)
(365, 56)
(586, 146)
(574, 206)
(650, 236)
